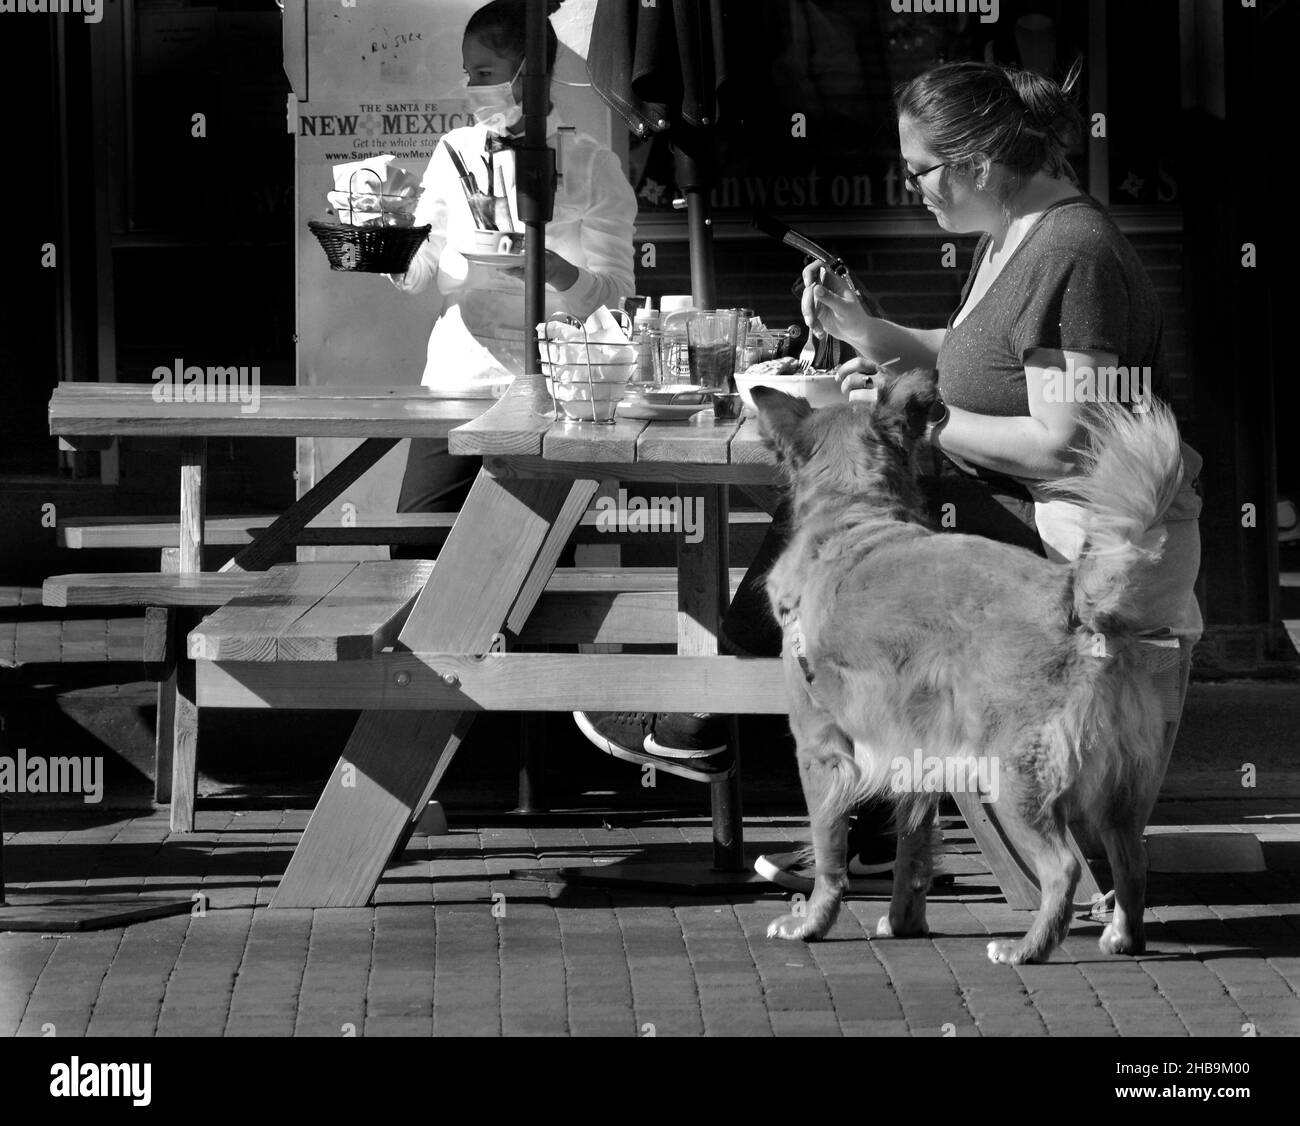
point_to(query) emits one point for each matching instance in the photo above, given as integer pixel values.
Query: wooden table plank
(246, 628)
(540, 468)
(695, 441)
(84, 640)
(638, 617)
(587, 579)
(126, 638)
(747, 446)
(287, 412)
(39, 643)
(593, 441)
(366, 528)
(516, 424)
(625, 612)
(406, 683)
(359, 616)
(87, 391)
(146, 588)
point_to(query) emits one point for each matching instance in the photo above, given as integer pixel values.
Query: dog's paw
(1007, 953)
(885, 928)
(1115, 941)
(794, 928)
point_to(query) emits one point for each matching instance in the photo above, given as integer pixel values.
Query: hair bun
(1047, 103)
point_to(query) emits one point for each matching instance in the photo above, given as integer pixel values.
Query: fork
(808, 351)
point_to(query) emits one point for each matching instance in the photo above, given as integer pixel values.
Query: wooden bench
(30, 637)
(417, 529)
(173, 598)
(346, 611)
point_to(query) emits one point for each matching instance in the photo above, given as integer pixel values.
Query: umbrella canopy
(660, 66)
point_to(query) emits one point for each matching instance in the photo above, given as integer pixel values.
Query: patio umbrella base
(34, 913)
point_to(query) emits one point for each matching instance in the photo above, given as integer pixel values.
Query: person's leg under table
(492, 568)
(434, 481)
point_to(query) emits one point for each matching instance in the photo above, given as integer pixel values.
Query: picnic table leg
(703, 587)
(262, 552)
(185, 709)
(496, 561)
(164, 727)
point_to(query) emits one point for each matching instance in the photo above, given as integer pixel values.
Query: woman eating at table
(1055, 288)
(478, 339)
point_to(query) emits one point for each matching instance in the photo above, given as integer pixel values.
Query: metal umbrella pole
(693, 181)
(535, 191)
(535, 176)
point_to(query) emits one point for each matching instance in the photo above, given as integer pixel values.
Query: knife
(473, 196)
(839, 279)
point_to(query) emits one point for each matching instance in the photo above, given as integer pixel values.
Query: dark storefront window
(220, 59)
(810, 97)
(1144, 88)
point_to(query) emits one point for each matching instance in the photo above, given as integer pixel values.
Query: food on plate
(820, 388)
(787, 366)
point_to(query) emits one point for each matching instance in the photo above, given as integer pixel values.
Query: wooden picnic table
(447, 660)
(540, 476)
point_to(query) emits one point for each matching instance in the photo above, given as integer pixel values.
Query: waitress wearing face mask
(478, 342)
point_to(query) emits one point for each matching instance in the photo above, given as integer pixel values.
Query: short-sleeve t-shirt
(1075, 284)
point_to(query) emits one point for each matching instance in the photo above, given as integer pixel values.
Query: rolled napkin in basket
(596, 352)
(374, 193)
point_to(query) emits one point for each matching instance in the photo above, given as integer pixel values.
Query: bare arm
(1035, 447)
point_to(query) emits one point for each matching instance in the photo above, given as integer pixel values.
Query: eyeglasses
(912, 179)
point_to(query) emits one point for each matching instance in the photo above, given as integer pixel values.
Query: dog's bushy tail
(1128, 478)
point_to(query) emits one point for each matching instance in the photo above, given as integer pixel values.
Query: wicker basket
(369, 250)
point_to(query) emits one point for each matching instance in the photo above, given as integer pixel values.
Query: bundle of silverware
(491, 211)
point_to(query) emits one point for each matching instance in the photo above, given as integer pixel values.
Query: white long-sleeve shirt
(478, 338)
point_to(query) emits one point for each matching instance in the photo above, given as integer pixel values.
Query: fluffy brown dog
(898, 637)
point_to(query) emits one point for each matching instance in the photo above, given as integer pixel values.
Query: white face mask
(494, 106)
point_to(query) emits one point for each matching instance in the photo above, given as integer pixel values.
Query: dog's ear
(779, 422)
(904, 402)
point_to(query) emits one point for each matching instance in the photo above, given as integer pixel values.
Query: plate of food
(820, 388)
(664, 401)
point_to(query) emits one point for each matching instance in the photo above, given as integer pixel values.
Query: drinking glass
(743, 318)
(711, 349)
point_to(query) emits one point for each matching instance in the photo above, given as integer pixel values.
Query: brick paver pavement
(454, 944)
